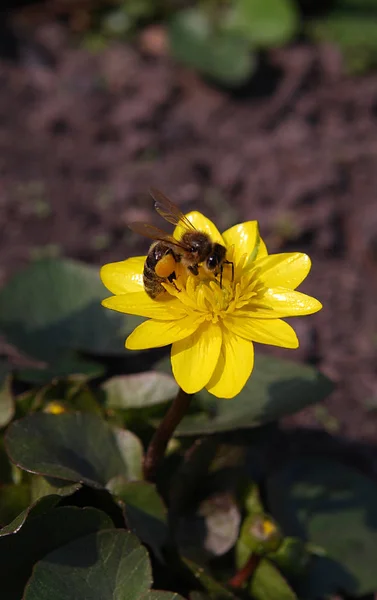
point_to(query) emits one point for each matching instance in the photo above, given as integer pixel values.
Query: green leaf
(139, 390)
(116, 567)
(253, 507)
(266, 22)
(6, 467)
(6, 397)
(82, 398)
(252, 499)
(214, 589)
(54, 305)
(38, 536)
(40, 486)
(360, 5)
(77, 447)
(335, 507)
(218, 53)
(275, 389)
(13, 499)
(293, 557)
(355, 33)
(144, 510)
(267, 583)
(154, 595)
(64, 365)
(39, 507)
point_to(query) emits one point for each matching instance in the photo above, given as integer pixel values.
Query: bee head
(215, 258)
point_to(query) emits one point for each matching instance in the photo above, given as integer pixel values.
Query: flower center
(203, 294)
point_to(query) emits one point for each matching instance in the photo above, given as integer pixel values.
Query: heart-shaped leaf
(334, 507)
(214, 589)
(13, 499)
(275, 389)
(6, 397)
(265, 22)
(144, 510)
(64, 365)
(267, 583)
(40, 507)
(139, 390)
(54, 305)
(6, 474)
(108, 564)
(366, 6)
(354, 32)
(41, 486)
(39, 535)
(77, 447)
(157, 595)
(214, 51)
(293, 557)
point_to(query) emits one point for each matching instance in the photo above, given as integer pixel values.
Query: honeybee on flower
(213, 317)
(193, 248)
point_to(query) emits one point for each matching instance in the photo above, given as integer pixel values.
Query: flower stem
(162, 435)
(245, 573)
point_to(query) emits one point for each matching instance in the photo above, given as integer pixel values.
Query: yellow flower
(212, 328)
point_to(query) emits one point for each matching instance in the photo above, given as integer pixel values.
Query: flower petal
(194, 359)
(234, 367)
(244, 238)
(139, 303)
(155, 334)
(279, 302)
(264, 331)
(201, 223)
(124, 276)
(287, 269)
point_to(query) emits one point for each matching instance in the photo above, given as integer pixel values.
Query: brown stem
(162, 435)
(245, 573)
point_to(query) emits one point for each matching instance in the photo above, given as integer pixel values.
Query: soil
(83, 136)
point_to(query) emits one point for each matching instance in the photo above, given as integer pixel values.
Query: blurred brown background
(84, 134)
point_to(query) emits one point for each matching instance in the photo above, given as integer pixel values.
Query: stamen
(202, 294)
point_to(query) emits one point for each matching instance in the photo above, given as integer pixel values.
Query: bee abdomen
(152, 282)
(160, 258)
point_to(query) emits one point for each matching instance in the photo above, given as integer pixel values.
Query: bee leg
(194, 269)
(226, 262)
(229, 262)
(171, 279)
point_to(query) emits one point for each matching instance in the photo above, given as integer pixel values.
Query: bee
(159, 267)
(194, 248)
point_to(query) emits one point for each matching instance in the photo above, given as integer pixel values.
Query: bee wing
(169, 211)
(154, 233)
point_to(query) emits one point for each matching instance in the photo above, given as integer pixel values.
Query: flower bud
(261, 534)
(55, 408)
